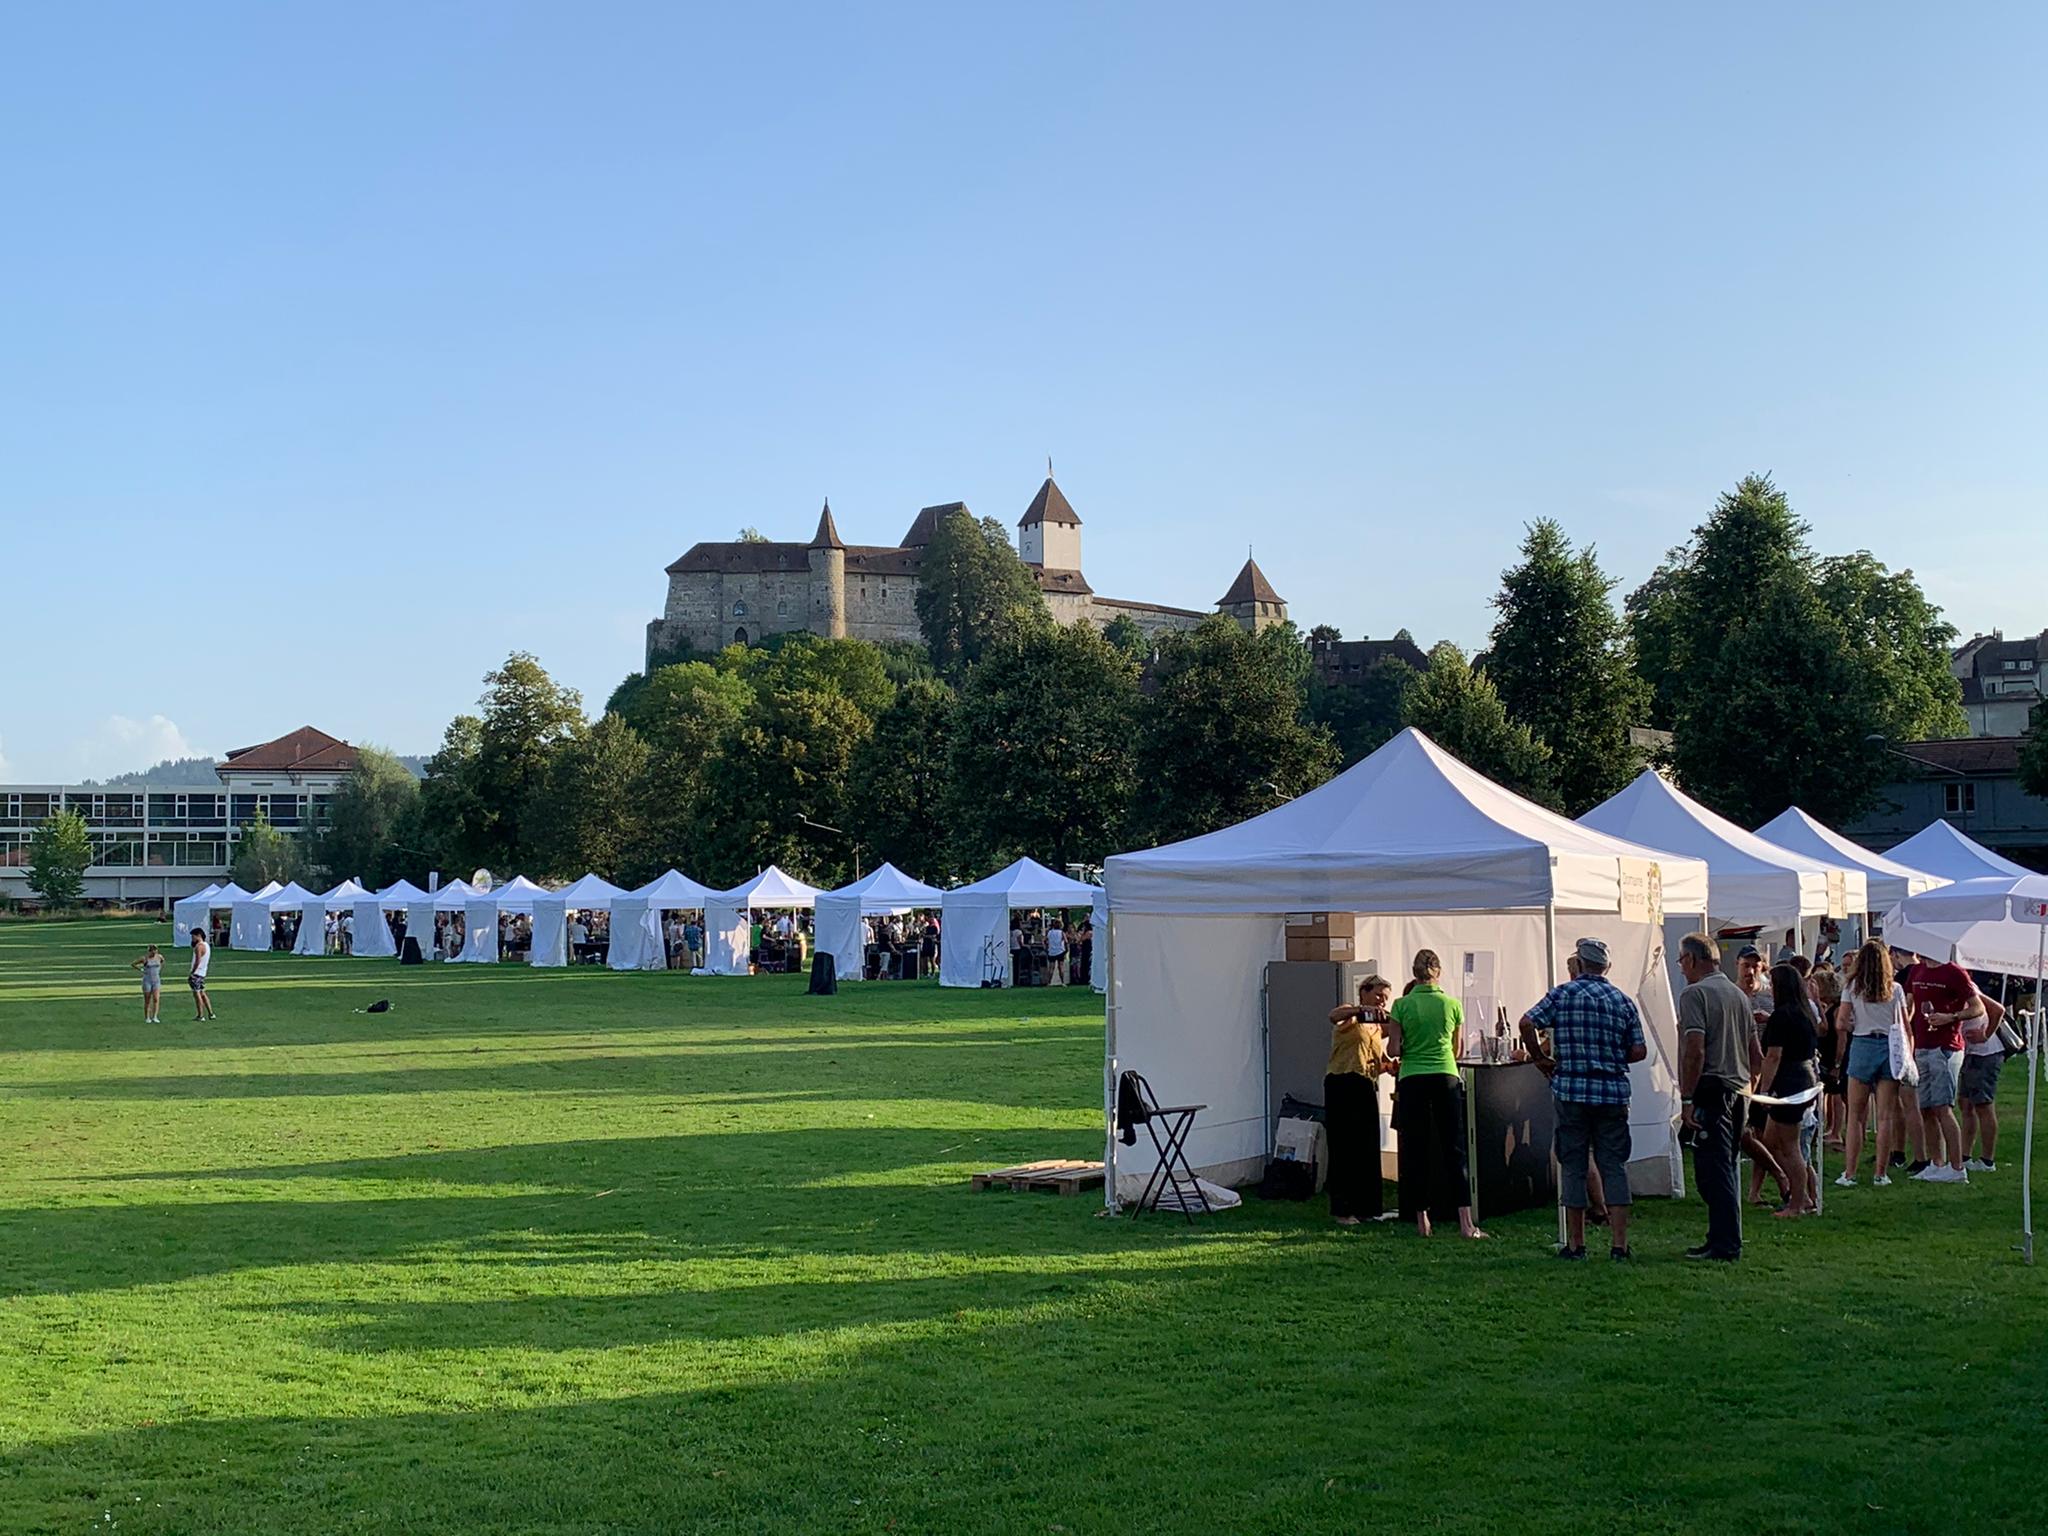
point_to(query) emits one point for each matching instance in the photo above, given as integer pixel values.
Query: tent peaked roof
(348, 890)
(590, 891)
(265, 891)
(202, 892)
(452, 896)
(1940, 849)
(674, 889)
(1251, 586)
(1890, 882)
(227, 895)
(292, 895)
(1754, 882)
(1409, 829)
(890, 886)
(401, 893)
(1029, 883)
(770, 888)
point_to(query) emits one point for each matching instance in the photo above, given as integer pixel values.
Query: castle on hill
(737, 593)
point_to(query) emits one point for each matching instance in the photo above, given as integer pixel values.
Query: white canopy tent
(976, 919)
(637, 941)
(313, 912)
(453, 896)
(591, 893)
(1889, 882)
(1751, 883)
(726, 917)
(189, 912)
(1940, 849)
(266, 890)
(1433, 854)
(249, 927)
(1996, 917)
(886, 891)
(402, 896)
(371, 933)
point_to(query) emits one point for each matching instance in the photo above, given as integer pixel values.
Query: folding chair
(1138, 1105)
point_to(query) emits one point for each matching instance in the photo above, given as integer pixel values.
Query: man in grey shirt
(1717, 1060)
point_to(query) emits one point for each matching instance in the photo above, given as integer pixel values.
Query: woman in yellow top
(1351, 1103)
(1423, 1038)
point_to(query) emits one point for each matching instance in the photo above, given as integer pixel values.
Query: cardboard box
(1308, 946)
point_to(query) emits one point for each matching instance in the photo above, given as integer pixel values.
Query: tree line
(1775, 675)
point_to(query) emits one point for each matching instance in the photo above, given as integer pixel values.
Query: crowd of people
(1775, 1061)
(1051, 949)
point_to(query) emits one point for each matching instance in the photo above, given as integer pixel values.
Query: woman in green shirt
(1430, 1110)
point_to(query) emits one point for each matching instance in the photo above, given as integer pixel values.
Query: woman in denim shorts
(1877, 1010)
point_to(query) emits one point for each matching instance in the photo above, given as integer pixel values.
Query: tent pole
(1109, 1064)
(1550, 972)
(2035, 1034)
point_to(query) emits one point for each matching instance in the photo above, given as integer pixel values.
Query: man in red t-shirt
(1943, 999)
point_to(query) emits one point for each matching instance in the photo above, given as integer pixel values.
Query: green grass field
(576, 1252)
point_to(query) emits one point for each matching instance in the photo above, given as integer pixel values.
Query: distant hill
(191, 772)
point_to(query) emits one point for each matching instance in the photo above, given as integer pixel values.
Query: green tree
(853, 669)
(1042, 760)
(59, 854)
(2034, 753)
(900, 781)
(1326, 634)
(585, 816)
(1460, 710)
(527, 716)
(265, 854)
(370, 807)
(973, 593)
(1559, 659)
(1220, 732)
(685, 714)
(1363, 715)
(453, 825)
(1773, 667)
(777, 779)
(1126, 635)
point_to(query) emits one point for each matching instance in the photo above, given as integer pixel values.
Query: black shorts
(1788, 1114)
(1759, 1115)
(196, 983)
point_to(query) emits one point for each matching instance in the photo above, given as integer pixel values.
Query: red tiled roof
(749, 557)
(303, 751)
(1251, 586)
(1048, 506)
(926, 523)
(1967, 754)
(1058, 580)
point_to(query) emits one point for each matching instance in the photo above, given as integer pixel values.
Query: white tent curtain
(1098, 966)
(189, 913)
(550, 932)
(480, 930)
(636, 943)
(726, 930)
(372, 933)
(312, 938)
(249, 927)
(419, 924)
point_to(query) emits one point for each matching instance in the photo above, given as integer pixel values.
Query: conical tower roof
(1251, 586)
(1050, 505)
(827, 536)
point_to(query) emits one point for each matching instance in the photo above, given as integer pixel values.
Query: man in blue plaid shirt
(1595, 1032)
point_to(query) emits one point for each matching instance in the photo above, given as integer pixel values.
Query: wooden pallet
(1060, 1176)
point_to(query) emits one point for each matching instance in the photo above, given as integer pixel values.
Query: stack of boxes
(1322, 936)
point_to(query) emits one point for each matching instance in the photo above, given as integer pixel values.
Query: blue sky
(348, 348)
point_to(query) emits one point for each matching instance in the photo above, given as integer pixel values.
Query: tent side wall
(372, 934)
(550, 932)
(479, 931)
(977, 929)
(312, 938)
(836, 927)
(419, 924)
(249, 928)
(726, 933)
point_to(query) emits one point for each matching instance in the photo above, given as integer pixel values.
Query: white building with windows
(156, 843)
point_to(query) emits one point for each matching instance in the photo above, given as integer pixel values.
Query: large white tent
(313, 910)
(249, 926)
(1889, 882)
(189, 912)
(1432, 854)
(482, 909)
(637, 943)
(1941, 850)
(1990, 922)
(976, 919)
(726, 920)
(401, 896)
(882, 892)
(592, 893)
(453, 896)
(1751, 883)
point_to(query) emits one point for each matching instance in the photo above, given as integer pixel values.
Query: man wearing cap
(1595, 1032)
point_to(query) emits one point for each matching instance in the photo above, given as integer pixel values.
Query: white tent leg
(1550, 970)
(2035, 1034)
(1109, 1066)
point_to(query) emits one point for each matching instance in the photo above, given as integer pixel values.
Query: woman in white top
(1877, 1021)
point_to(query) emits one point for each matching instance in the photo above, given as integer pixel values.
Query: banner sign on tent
(1642, 891)
(1838, 894)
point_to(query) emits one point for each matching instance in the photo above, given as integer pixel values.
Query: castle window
(782, 607)
(739, 608)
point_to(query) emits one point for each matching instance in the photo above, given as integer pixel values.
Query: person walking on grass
(1876, 1006)
(1755, 985)
(151, 964)
(1983, 1060)
(202, 955)
(1596, 1032)
(1944, 1001)
(1790, 1045)
(1717, 1060)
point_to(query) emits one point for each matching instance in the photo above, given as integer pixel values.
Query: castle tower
(827, 555)
(1251, 599)
(1049, 534)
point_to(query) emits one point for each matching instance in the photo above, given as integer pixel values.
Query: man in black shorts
(202, 955)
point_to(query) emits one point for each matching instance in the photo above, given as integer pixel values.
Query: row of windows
(739, 604)
(130, 850)
(32, 809)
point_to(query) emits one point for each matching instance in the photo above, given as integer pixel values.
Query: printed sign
(1642, 891)
(1838, 894)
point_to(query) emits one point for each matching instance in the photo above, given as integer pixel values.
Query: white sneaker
(1978, 1165)
(1843, 1181)
(1880, 1181)
(1930, 1174)
(1941, 1173)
